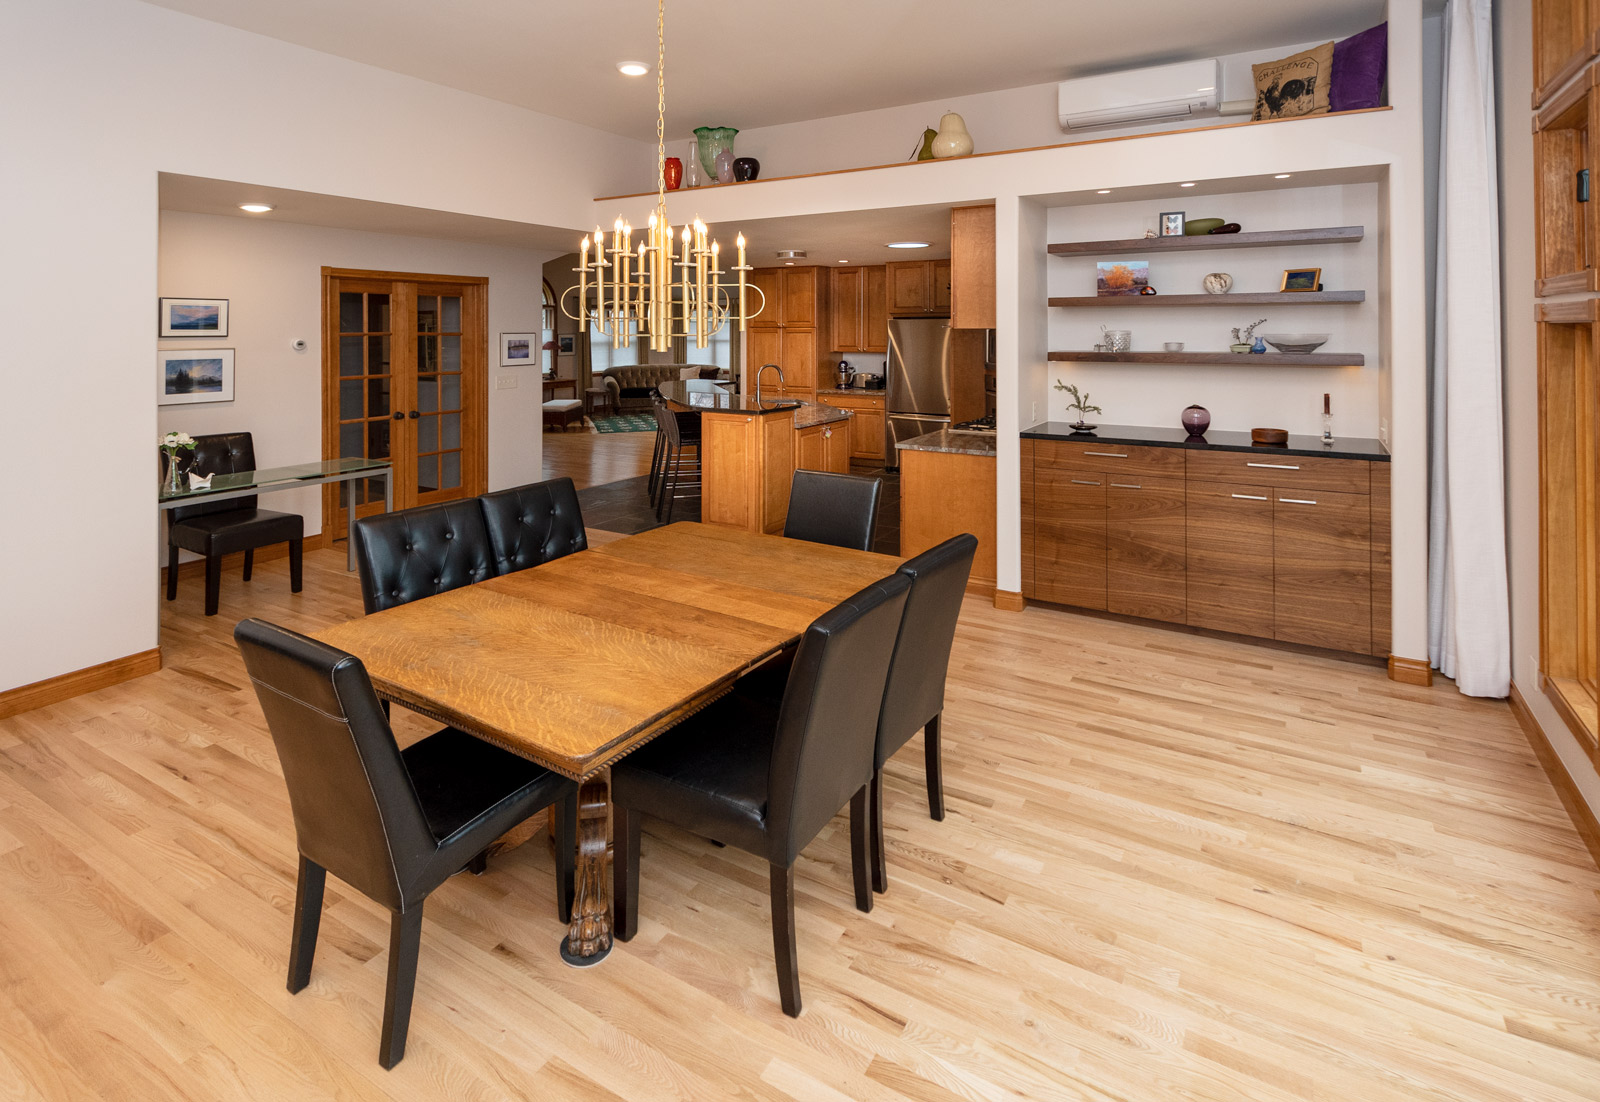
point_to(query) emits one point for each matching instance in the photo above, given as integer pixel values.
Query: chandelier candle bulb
(740, 242)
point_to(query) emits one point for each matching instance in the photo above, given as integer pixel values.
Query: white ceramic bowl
(1296, 342)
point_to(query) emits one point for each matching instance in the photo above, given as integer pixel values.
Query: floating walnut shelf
(1252, 298)
(1231, 359)
(1332, 235)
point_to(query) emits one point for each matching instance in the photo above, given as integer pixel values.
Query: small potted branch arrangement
(1244, 338)
(1080, 404)
(172, 444)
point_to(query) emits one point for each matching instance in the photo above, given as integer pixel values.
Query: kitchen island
(947, 486)
(750, 449)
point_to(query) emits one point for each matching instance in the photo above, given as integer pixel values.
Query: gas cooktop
(983, 426)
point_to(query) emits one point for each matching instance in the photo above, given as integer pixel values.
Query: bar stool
(678, 430)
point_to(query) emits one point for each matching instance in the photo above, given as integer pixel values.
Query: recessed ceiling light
(1191, 184)
(844, 262)
(909, 244)
(1104, 191)
(632, 68)
(1281, 176)
(255, 208)
(788, 264)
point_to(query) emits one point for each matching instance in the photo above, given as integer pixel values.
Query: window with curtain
(602, 355)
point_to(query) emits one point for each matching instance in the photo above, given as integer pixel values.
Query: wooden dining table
(577, 662)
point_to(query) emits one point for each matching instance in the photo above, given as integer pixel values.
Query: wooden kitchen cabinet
(859, 319)
(1566, 34)
(1228, 552)
(1069, 538)
(1145, 570)
(918, 287)
(765, 280)
(1322, 569)
(867, 424)
(787, 332)
(972, 301)
(823, 448)
(939, 286)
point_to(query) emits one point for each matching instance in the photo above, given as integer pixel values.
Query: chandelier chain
(661, 104)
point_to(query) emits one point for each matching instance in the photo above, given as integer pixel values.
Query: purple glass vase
(1196, 419)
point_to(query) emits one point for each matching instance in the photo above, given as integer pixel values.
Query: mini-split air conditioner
(1185, 90)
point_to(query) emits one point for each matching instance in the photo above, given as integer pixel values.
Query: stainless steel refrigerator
(918, 399)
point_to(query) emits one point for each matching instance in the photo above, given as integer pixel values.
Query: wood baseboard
(1410, 671)
(53, 690)
(978, 587)
(235, 561)
(1009, 601)
(1582, 816)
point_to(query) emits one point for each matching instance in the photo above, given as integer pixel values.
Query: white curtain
(1469, 625)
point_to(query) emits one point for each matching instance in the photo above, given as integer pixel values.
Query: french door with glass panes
(404, 367)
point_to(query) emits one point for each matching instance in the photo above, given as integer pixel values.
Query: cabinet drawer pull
(1251, 497)
(1083, 482)
(1276, 466)
(1127, 486)
(1296, 501)
(1109, 455)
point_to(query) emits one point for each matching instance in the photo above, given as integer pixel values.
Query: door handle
(415, 415)
(1109, 455)
(1251, 497)
(1296, 501)
(399, 415)
(1126, 486)
(1276, 466)
(1083, 482)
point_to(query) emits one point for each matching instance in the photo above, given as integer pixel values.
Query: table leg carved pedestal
(588, 939)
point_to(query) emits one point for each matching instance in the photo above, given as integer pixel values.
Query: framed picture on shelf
(188, 376)
(518, 349)
(193, 317)
(1172, 223)
(1302, 279)
(564, 344)
(1121, 277)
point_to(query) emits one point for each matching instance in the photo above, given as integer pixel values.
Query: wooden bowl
(1269, 436)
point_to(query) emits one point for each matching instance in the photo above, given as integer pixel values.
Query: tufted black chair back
(822, 754)
(419, 552)
(533, 524)
(355, 810)
(915, 691)
(837, 509)
(218, 453)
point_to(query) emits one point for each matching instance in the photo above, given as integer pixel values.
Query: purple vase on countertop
(1196, 419)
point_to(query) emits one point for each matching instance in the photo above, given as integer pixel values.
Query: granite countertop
(815, 413)
(957, 443)
(853, 392)
(1344, 447)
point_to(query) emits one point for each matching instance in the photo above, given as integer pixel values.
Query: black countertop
(720, 399)
(1343, 447)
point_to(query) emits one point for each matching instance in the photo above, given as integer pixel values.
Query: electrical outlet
(1383, 432)
(505, 382)
(1033, 414)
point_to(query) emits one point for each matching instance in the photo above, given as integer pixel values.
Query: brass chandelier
(636, 292)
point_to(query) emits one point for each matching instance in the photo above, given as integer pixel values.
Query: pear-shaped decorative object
(952, 139)
(926, 152)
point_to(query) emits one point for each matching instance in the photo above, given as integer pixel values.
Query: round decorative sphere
(1217, 283)
(1195, 420)
(746, 169)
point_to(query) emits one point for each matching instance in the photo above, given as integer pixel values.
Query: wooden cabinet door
(767, 281)
(908, 287)
(875, 311)
(939, 285)
(836, 447)
(800, 295)
(1322, 564)
(809, 451)
(762, 346)
(1228, 549)
(866, 435)
(972, 301)
(1145, 549)
(1069, 538)
(845, 308)
(798, 358)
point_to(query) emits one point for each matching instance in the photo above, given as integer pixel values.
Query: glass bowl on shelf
(1295, 342)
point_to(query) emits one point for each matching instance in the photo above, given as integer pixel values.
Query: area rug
(625, 422)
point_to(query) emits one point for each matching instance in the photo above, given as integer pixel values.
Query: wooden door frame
(474, 362)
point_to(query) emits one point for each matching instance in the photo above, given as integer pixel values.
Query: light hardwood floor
(1174, 867)
(595, 458)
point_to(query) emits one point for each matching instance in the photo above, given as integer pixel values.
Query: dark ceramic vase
(746, 169)
(1196, 419)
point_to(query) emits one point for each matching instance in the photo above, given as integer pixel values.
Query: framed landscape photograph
(1122, 277)
(194, 317)
(519, 349)
(188, 376)
(1172, 223)
(564, 344)
(1301, 279)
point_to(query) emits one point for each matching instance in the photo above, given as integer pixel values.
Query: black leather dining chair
(419, 552)
(766, 779)
(913, 698)
(393, 824)
(218, 528)
(532, 524)
(838, 509)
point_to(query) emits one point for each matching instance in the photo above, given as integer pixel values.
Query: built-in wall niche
(1150, 385)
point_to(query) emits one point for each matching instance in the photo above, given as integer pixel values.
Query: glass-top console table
(245, 483)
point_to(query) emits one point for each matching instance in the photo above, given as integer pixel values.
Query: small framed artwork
(564, 344)
(1122, 277)
(1172, 223)
(194, 317)
(518, 349)
(1301, 279)
(186, 376)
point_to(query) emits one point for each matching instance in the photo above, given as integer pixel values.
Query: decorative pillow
(1294, 86)
(1360, 65)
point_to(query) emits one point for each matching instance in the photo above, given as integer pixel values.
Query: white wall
(102, 95)
(1013, 118)
(1242, 397)
(271, 274)
(1513, 22)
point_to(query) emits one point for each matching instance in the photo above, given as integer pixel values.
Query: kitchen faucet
(762, 372)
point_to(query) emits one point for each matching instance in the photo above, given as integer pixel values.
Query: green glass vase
(713, 140)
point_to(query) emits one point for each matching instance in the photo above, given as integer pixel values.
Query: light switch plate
(505, 382)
